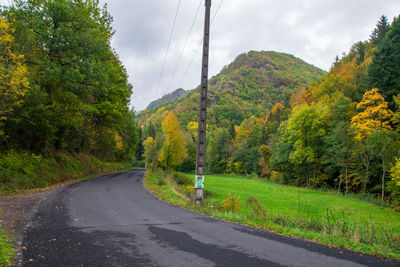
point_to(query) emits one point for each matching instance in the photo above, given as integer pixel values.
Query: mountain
(251, 85)
(178, 93)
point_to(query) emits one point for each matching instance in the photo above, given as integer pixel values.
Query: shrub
(182, 179)
(231, 203)
(257, 208)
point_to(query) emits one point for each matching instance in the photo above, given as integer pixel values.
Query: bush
(231, 203)
(182, 179)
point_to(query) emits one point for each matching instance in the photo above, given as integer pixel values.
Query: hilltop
(178, 93)
(251, 85)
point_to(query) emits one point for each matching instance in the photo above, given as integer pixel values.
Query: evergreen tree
(384, 70)
(380, 31)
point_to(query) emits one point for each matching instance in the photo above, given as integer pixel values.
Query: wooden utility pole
(201, 133)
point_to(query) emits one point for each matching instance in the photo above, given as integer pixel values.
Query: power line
(169, 43)
(198, 48)
(184, 47)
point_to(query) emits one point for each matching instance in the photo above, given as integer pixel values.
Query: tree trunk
(347, 181)
(145, 165)
(383, 180)
(153, 155)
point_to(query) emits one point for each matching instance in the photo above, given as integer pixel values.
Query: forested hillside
(64, 92)
(244, 93)
(275, 116)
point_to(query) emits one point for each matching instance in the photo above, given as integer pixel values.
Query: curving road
(114, 221)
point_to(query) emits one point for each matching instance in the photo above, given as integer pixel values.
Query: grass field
(292, 201)
(325, 217)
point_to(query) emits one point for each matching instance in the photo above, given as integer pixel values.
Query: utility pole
(201, 133)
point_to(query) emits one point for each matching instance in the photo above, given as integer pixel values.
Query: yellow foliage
(148, 142)
(231, 203)
(192, 128)
(118, 141)
(395, 171)
(374, 114)
(174, 149)
(13, 74)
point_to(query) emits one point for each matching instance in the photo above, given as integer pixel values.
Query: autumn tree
(174, 150)
(13, 76)
(374, 114)
(148, 144)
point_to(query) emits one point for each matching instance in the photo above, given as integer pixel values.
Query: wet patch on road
(219, 256)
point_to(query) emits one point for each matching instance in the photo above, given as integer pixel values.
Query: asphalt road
(114, 221)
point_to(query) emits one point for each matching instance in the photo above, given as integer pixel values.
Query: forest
(274, 116)
(64, 93)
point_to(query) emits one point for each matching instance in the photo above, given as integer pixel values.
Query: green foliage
(380, 31)
(7, 252)
(385, 67)
(23, 171)
(79, 91)
(182, 179)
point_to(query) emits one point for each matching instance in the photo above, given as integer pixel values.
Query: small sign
(199, 182)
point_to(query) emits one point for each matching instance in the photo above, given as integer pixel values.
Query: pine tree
(384, 69)
(380, 31)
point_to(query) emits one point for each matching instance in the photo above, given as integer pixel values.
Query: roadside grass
(324, 217)
(7, 252)
(23, 172)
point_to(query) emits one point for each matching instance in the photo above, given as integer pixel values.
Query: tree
(380, 31)
(395, 172)
(339, 141)
(385, 147)
(13, 76)
(174, 150)
(384, 69)
(306, 127)
(374, 114)
(80, 93)
(147, 144)
(151, 131)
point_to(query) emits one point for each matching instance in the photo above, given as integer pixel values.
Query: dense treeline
(63, 88)
(340, 131)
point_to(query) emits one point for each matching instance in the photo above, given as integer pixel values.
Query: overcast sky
(313, 30)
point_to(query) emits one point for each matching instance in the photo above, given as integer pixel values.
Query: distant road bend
(114, 221)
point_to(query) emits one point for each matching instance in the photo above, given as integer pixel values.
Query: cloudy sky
(313, 30)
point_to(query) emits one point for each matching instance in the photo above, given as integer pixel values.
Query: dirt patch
(15, 211)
